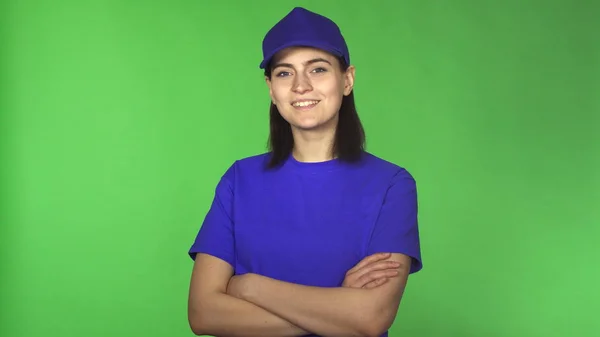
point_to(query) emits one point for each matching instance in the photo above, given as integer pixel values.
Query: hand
(239, 285)
(371, 272)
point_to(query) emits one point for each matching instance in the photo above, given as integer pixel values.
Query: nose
(301, 84)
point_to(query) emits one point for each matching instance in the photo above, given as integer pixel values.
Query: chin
(306, 127)
(310, 126)
(309, 123)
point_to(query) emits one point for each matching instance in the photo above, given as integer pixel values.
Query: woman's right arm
(211, 311)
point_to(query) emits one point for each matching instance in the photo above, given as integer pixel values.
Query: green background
(119, 117)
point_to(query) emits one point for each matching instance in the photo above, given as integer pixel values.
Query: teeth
(305, 103)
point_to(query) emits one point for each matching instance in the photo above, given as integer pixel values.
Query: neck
(313, 146)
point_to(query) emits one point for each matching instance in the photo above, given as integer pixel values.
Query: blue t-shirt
(309, 223)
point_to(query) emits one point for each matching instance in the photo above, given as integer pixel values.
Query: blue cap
(301, 27)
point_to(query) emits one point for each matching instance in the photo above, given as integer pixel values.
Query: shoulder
(250, 166)
(389, 171)
(254, 162)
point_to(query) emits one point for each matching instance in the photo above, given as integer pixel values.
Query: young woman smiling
(317, 236)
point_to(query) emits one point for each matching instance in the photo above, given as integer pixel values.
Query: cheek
(278, 95)
(335, 94)
(279, 101)
(335, 89)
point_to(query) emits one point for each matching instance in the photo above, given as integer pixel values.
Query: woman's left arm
(328, 312)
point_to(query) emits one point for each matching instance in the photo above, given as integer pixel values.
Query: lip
(308, 107)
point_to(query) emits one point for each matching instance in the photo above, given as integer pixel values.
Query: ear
(349, 80)
(269, 85)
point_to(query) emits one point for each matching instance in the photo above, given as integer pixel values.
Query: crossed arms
(224, 305)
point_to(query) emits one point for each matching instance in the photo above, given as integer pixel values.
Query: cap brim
(323, 46)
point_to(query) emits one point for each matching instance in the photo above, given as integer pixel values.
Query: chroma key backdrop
(117, 119)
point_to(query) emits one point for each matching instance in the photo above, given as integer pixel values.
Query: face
(307, 86)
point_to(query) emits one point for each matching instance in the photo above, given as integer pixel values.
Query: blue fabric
(301, 27)
(309, 223)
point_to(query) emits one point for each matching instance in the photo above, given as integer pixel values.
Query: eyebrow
(309, 62)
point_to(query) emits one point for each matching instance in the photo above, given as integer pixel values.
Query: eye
(319, 70)
(282, 74)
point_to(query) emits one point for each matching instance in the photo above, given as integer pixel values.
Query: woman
(317, 236)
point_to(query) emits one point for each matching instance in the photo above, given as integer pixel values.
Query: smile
(305, 104)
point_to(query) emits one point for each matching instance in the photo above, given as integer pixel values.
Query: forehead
(299, 55)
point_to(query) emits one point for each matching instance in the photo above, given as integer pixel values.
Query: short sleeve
(215, 236)
(396, 229)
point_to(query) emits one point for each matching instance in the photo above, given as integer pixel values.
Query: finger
(367, 260)
(372, 276)
(376, 283)
(363, 280)
(380, 265)
(370, 259)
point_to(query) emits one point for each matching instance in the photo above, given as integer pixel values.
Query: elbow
(373, 329)
(197, 329)
(201, 314)
(197, 322)
(376, 324)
